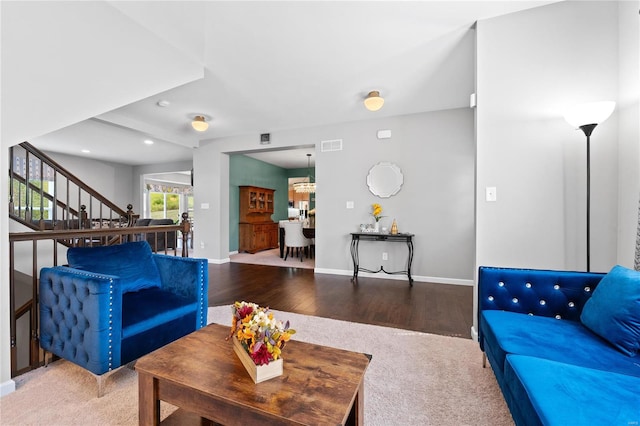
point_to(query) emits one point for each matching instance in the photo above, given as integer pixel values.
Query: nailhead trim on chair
(110, 325)
(203, 298)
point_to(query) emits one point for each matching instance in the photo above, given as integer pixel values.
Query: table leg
(281, 239)
(409, 261)
(354, 257)
(358, 405)
(148, 402)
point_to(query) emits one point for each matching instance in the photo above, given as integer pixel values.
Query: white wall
(435, 152)
(87, 56)
(628, 129)
(530, 66)
(211, 199)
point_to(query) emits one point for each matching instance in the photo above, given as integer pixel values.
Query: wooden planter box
(259, 373)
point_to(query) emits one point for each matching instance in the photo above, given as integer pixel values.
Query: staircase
(43, 195)
(59, 211)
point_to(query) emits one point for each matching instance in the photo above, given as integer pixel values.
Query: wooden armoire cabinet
(257, 230)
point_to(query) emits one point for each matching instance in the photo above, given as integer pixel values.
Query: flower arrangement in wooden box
(260, 338)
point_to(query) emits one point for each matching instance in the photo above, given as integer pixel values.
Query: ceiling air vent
(332, 145)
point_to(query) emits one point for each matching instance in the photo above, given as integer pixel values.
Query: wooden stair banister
(58, 168)
(45, 194)
(60, 196)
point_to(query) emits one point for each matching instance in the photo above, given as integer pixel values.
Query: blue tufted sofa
(113, 304)
(563, 345)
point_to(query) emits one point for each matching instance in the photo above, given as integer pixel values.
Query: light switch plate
(491, 193)
(350, 204)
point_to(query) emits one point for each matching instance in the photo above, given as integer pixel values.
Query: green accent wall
(245, 170)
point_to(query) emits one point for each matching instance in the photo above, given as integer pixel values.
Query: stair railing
(44, 195)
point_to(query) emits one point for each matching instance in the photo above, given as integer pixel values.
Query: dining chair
(293, 238)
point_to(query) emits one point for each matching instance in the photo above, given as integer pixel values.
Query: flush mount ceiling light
(373, 101)
(306, 187)
(199, 123)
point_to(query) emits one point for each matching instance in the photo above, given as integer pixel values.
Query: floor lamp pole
(588, 129)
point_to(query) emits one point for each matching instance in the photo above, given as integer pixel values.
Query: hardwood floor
(431, 308)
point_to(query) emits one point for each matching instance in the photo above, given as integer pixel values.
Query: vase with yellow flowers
(376, 212)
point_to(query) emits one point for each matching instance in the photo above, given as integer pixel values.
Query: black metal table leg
(410, 260)
(354, 257)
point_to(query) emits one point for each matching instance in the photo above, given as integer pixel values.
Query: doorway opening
(167, 196)
(292, 165)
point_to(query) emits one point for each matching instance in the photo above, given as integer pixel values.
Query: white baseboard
(349, 272)
(416, 278)
(7, 387)
(218, 261)
(474, 334)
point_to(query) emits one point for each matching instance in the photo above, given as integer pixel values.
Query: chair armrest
(81, 317)
(187, 277)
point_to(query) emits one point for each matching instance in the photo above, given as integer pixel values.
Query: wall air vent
(332, 145)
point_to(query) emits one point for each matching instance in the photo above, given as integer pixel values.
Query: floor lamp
(586, 117)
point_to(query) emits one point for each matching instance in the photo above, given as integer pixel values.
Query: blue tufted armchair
(114, 304)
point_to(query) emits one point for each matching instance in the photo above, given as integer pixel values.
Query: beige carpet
(272, 258)
(413, 379)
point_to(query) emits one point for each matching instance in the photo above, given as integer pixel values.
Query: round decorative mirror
(385, 179)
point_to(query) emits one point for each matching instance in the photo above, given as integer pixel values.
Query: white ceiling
(275, 65)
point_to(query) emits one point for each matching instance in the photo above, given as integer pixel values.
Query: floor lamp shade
(589, 113)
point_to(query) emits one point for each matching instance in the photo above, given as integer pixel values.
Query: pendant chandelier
(306, 187)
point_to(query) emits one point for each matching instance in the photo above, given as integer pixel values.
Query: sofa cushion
(552, 393)
(146, 309)
(613, 312)
(549, 338)
(132, 262)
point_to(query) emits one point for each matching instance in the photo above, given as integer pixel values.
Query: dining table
(309, 232)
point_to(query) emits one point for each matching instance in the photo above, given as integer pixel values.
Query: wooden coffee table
(202, 375)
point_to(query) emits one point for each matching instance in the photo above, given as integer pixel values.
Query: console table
(356, 237)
